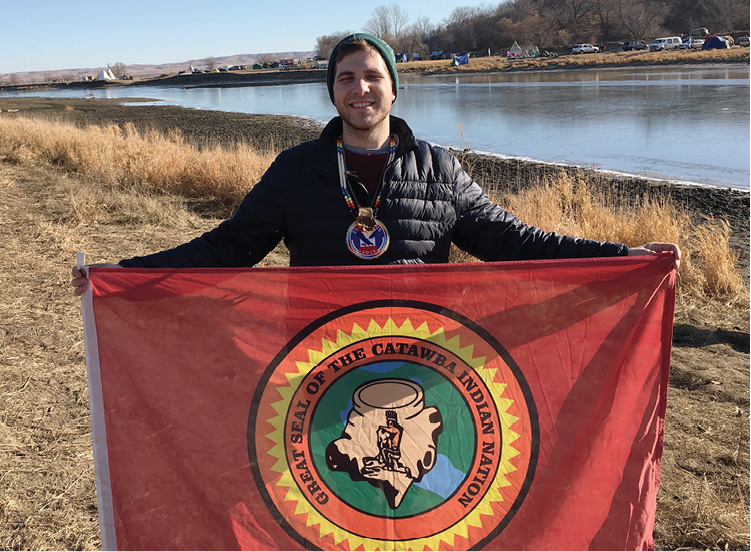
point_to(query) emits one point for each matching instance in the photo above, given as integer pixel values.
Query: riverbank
(704, 494)
(206, 128)
(490, 64)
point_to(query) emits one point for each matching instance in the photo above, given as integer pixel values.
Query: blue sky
(44, 35)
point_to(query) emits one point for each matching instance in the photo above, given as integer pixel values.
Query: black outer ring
(417, 305)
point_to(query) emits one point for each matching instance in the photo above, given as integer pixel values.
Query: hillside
(141, 70)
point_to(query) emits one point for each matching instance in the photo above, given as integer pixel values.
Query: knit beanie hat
(384, 49)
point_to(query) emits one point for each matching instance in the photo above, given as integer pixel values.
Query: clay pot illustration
(390, 439)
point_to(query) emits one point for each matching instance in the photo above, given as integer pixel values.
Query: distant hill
(143, 70)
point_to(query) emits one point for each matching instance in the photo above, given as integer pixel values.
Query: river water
(687, 124)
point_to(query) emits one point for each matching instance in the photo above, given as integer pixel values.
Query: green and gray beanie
(384, 49)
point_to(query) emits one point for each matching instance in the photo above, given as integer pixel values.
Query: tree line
(549, 24)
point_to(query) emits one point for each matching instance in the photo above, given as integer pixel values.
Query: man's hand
(80, 278)
(655, 248)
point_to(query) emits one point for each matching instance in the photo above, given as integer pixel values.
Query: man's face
(362, 90)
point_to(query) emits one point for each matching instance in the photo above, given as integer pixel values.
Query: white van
(667, 43)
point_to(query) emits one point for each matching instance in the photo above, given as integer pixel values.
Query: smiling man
(368, 192)
(363, 91)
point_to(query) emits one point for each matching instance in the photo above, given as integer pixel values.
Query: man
(368, 192)
(389, 440)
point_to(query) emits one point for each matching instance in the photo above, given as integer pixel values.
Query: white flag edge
(96, 408)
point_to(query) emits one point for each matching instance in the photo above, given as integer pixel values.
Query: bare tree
(265, 58)
(412, 41)
(387, 22)
(325, 44)
(118, 69)
(719, 16)
(13, 79)
(423, 25)
(729, 15)
(378, 24)
(574, 15)
(210, 63)
(606, 20)
(639, 18)
(530, 27)
(399, 20)
(462, 14)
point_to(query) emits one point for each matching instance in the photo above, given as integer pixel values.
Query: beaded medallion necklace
(367, 237)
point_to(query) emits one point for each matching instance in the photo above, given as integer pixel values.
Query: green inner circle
(456, 443)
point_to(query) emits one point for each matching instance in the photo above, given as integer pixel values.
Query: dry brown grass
(150, 163)
(567, 205)
(113, 159)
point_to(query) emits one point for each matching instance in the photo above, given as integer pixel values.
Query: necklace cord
(349, 197)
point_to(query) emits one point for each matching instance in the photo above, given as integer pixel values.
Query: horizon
(80, 36)
(155, 65)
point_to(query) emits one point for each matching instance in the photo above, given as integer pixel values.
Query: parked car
(584, 49)
(742, 41)
(634, 45)
(690, 42)
(666, 43)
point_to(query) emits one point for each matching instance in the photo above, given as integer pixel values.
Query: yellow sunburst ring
(424, 348)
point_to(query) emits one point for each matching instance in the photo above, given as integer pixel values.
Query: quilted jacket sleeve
(492, 234)
(241, 241)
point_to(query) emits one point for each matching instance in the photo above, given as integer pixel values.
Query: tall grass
(148, 164)
(151, 163)
(566, 204)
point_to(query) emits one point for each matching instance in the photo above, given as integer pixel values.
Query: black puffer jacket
(428, 202)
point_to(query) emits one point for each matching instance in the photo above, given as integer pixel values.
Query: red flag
(498, 405)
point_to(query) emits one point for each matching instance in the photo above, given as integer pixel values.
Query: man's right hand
(80, 278)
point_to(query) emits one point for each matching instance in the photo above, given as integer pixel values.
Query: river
(687, 124)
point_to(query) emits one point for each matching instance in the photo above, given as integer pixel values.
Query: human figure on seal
(389, 439)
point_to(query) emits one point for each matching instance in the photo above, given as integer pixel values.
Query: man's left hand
(655, 248)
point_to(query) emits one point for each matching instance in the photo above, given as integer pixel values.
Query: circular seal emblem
(367, 244)
(393, 425)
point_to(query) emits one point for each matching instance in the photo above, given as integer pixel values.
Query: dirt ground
(46, 466)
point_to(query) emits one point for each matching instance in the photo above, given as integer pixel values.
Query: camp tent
(716, 42)
(106, 74)
(515, 51)
(460, 60)
(527, 52)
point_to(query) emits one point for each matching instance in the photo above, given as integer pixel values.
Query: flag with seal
(498, 405)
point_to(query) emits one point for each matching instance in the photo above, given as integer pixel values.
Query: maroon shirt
(367, 166)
